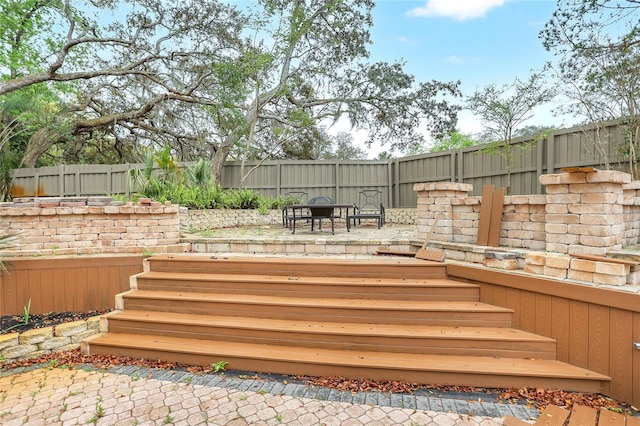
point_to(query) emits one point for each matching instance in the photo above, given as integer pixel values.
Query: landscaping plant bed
(22, 323)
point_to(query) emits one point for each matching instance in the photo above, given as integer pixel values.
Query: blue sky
(478, 42)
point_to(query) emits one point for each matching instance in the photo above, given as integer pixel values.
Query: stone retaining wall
(193, 221)
(41, 341)
(584, 212)
(60, 226)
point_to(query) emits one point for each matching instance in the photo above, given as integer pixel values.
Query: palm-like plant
(6, 241)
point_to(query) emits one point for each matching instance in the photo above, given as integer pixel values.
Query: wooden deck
(393, 319)
(578, 416)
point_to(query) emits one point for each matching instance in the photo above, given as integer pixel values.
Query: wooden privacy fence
(593, 145)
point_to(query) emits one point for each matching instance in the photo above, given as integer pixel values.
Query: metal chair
(369, 206)
(293, 197)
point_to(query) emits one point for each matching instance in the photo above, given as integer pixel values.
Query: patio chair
(369, 206)
(293, 197)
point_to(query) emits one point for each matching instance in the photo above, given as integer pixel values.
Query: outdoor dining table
(316, 211)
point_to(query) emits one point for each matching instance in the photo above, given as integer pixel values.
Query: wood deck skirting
(595, 328)
(59, 284)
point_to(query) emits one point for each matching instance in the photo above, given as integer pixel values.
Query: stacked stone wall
(41, 341)
(193, 221)
(50, 227)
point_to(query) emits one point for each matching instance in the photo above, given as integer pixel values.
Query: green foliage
(242, 199)
(6, 241)
(455, 140)
(597, 46)
(161, 179)
(504, 109)
(219, 366)
(26, 316)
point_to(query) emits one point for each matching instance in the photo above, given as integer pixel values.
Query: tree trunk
(39, 143)
(218, 160)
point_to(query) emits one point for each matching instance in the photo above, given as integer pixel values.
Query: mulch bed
(17, 323)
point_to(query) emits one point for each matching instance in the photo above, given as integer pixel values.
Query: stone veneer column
(584, 211)
(437, 197)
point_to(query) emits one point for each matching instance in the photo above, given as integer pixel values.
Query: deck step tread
(217, 350)
(355, 329)
(288, 261)
(301, 280)
(353, 304)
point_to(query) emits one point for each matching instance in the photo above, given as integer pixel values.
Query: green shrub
(193, 187)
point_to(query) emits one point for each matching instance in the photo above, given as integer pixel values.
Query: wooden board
(553, 416)
(485, 215)
(609, 418)
(578, 169)
(426, 253)
(583, 416)
(390, 252)
(514, 421)
(495, 222)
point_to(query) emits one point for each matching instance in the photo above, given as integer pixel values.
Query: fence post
(61, 181)
(540, 155)
(460, 170)
(551, 167)
(337, 178)
(396, 182)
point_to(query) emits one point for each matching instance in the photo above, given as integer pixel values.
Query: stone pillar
(584, 211)
(437, 197)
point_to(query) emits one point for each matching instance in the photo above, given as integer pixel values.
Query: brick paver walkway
(59, 396)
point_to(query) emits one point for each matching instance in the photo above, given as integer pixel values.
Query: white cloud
(460, 10)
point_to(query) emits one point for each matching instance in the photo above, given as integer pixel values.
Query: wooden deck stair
(384, 319)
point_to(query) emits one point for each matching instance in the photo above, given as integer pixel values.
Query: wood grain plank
(514, 421)
(527, 311)
(485, 215)
(82, 292)
(560, 327)
(599, 338)
(23, 290)
(621, 353)
(2, 297)
(633, 421)
(579, 336)
(103, 283)
(93, 291)
(512, 301)
(499, 295)
(486, 294)
(71, 290)
(57, 286)
(46, 288)
(544, 314)
(609, 418)
(553, 416)
(114, 283)
(34, 290)
(583, 416)
(495, 222)
(635, 367)
(9, 294)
